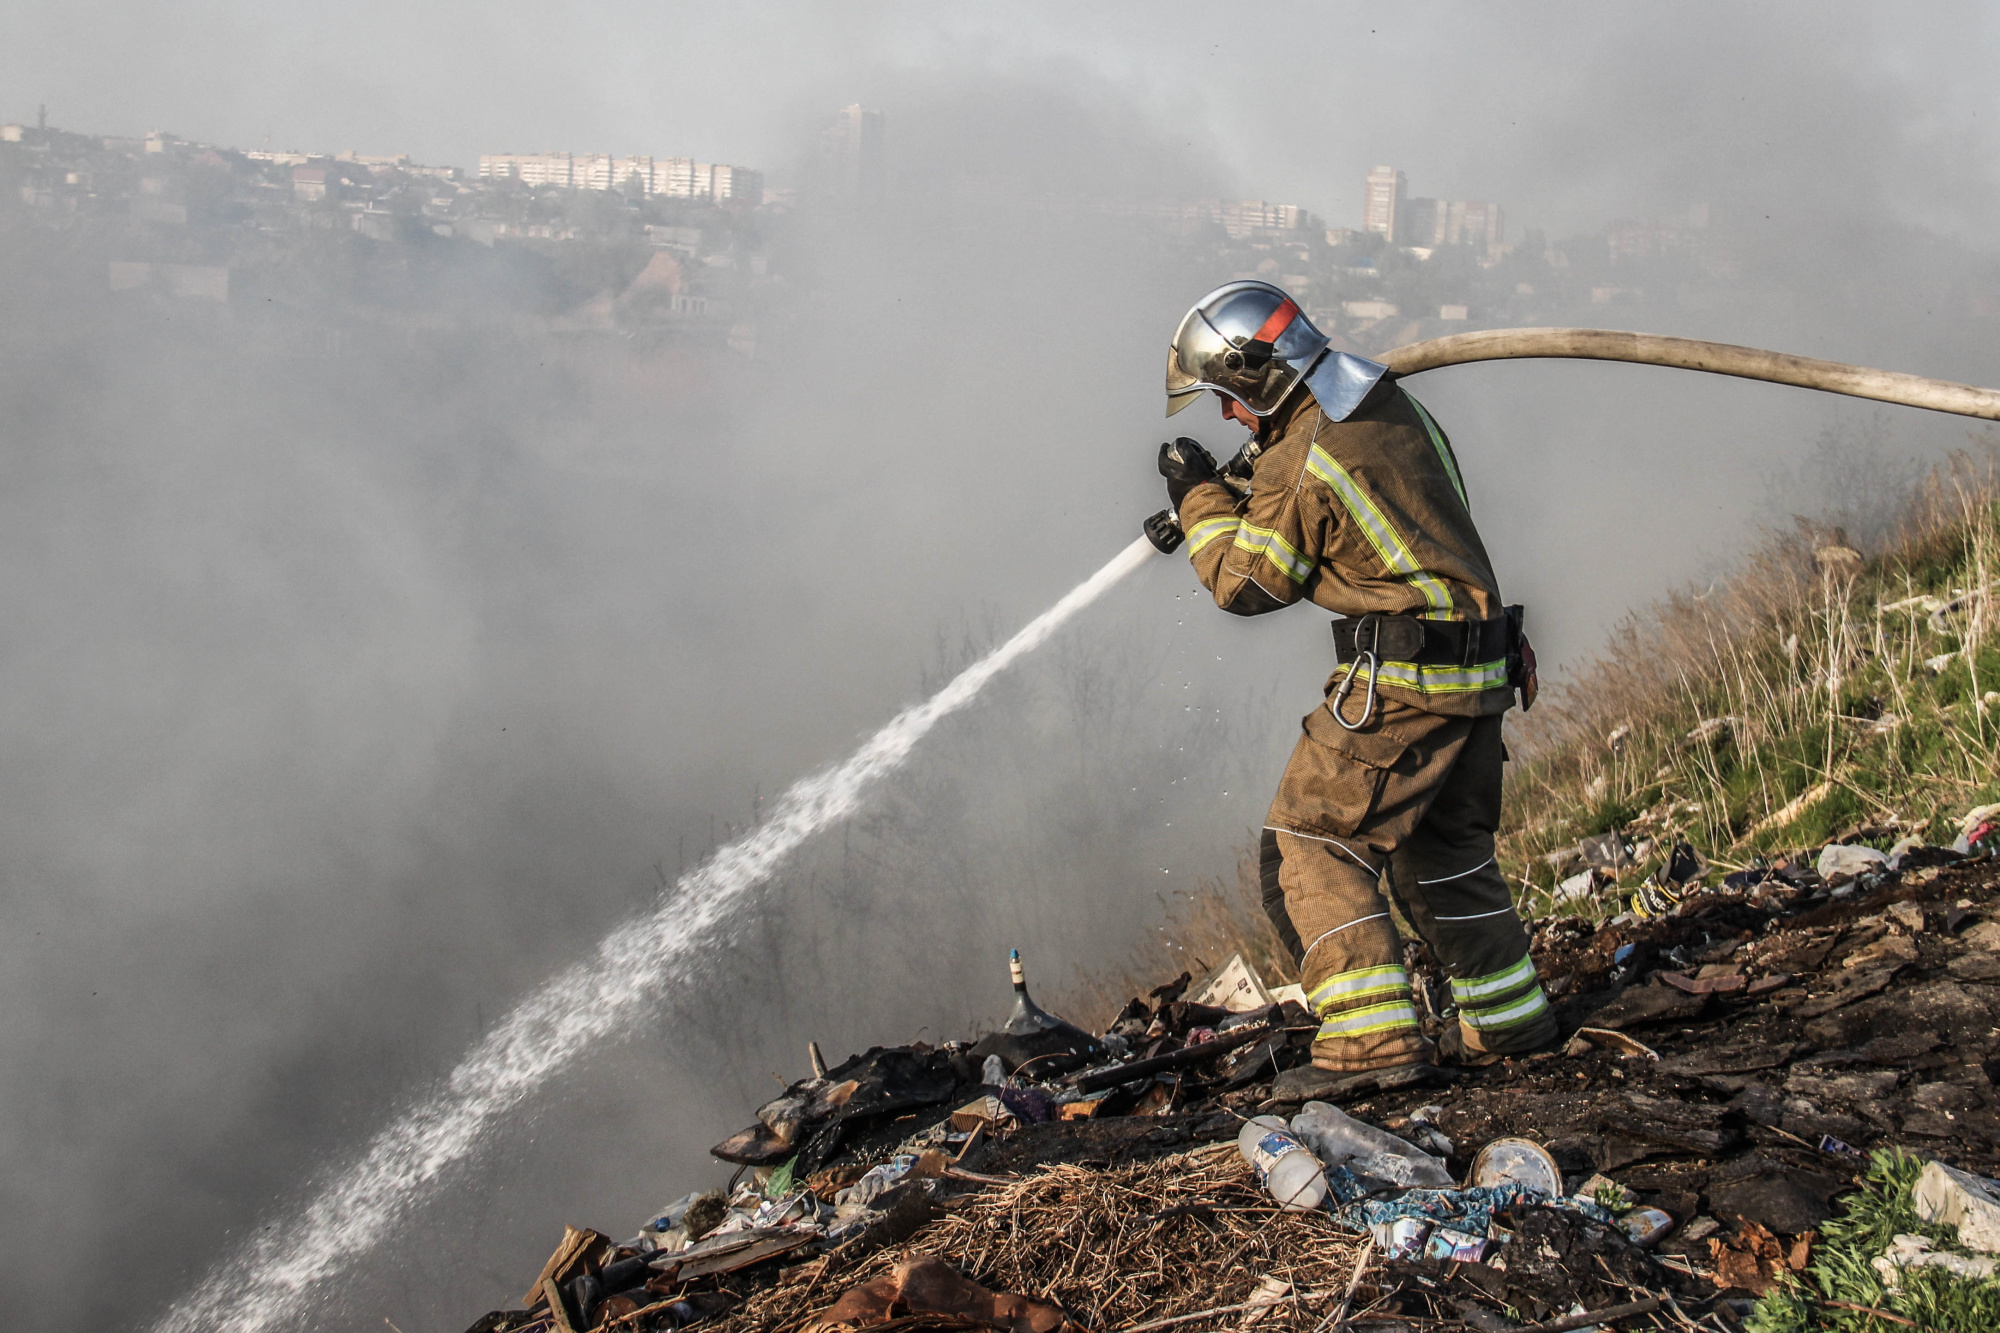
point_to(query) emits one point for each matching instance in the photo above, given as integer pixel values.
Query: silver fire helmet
(1251, 341)
(1245, 339)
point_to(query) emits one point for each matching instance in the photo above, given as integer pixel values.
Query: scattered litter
(1583, 886)
(1976, 832)
(1646, 1227)
(1520, 1162)
(1375, 1155)
(1270, 1290)
(1839, 863)
(1732, 1060)
(1291, 1174)
(1654, 900)
(1608, 851)
(1234, 986)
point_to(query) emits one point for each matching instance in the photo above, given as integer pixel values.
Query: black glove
(1185, 465)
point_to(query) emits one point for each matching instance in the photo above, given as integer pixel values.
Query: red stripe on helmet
(1280, 320)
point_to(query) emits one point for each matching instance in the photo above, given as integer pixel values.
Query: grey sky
(1629, 109)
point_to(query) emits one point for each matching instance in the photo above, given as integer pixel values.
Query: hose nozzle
(1164, 531)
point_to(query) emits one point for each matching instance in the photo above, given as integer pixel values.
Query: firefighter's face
(1235, 411)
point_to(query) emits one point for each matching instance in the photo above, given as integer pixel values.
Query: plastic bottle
(1290, 1172)
(1028, 1017)
(1338, 1138)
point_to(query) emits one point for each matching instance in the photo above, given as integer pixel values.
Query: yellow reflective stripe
(1494, 983)
(1520, 1011)
(1388, 545)
(1443, 449)
(1353, 985)
(1206, 531)
(1437, 679)
(1263, 541)
(1375, 1018)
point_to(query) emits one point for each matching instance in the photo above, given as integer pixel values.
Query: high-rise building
(1382, 206)
(851, 154)
(1428, 223)
(1478, 225)
(1422, 222)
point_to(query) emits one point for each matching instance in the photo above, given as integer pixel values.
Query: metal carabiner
(1346, 687)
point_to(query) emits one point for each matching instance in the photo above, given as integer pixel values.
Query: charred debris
(1737, 1055)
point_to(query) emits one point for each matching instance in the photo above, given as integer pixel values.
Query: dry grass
(1115, 1247)
(1201, 929)
(1818, 667)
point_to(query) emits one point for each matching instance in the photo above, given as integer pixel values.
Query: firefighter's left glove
(1185, 465)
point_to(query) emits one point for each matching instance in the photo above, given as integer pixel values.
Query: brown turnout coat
(1366, 514)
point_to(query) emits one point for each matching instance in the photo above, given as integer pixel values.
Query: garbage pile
(1734, 1052)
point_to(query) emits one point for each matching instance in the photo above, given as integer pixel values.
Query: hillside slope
(1817, 695)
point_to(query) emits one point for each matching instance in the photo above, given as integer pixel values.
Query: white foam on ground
(273, 1281)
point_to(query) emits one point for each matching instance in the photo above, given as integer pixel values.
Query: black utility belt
(1442, 643)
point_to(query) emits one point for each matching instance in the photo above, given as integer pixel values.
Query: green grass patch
(1840, 1269)
(1711, 713)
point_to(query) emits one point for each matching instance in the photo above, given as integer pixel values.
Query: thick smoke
(355, 686)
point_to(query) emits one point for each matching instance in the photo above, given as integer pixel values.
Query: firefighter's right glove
(1185, 465)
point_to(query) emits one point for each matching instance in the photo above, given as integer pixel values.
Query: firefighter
(1348, 496)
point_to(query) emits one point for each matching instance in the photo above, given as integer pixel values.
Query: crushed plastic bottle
(1290, 1172)
(1339, 1139)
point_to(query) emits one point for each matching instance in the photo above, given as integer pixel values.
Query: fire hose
(1653, 349)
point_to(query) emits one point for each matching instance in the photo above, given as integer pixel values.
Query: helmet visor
(1197, 360)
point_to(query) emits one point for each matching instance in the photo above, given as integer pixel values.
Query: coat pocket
(1335, 779)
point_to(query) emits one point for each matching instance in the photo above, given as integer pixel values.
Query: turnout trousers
(1406, 806)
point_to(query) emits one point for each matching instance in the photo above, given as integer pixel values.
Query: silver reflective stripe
(1523, 1009)
(1264, 542)
(1335, 931)
(1366, 981)
(1476, 916)
(1209, 529)
(1440, 680)
(1383, 537)
(1461, 875)
(1352, 855)
(1375, 1018)
(1494, 983)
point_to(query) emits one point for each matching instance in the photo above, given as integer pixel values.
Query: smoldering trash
(1772, 1107)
